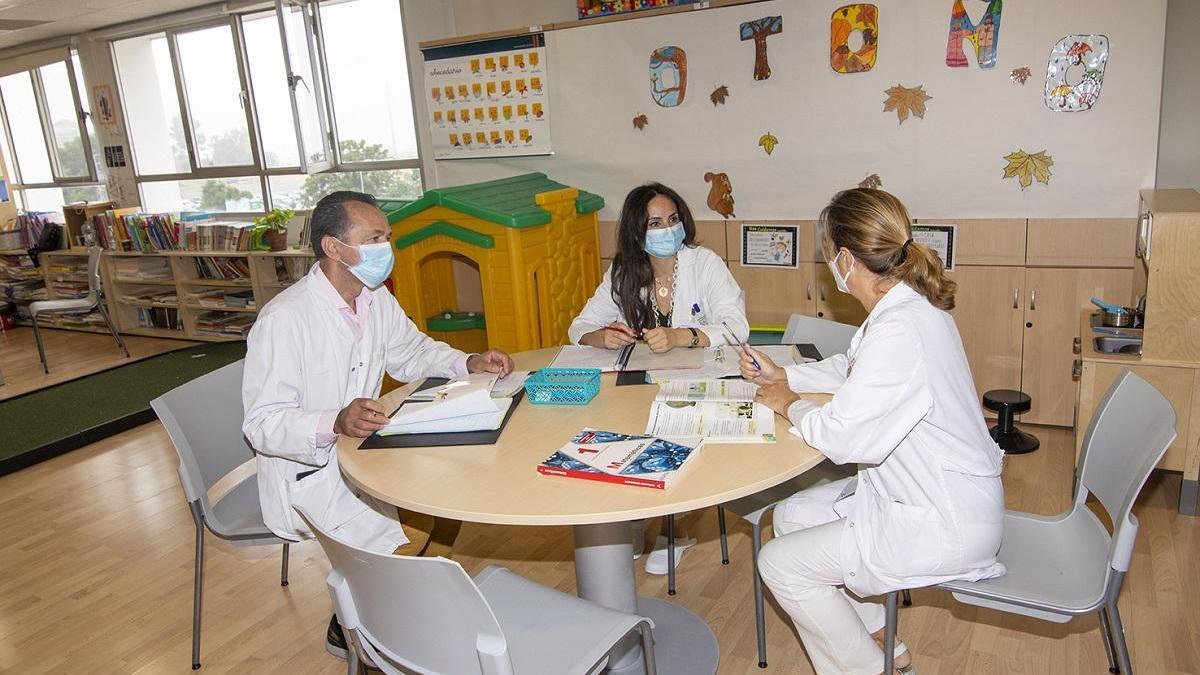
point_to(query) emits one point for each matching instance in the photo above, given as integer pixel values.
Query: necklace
(663, 290)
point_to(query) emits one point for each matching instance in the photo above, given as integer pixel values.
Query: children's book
(719, 410)
(644, 461)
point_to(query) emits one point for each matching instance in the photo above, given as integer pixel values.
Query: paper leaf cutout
(905, 100)
(873, 181)
(640, 122)
(768, 142)
(719, 95)
(1019, 75)
(1027, 167)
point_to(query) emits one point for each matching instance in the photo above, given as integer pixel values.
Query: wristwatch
(695, 338)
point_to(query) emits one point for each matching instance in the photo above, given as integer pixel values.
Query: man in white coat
(314, 367)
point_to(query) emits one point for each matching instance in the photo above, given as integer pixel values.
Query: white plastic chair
(1068, 565)
(204, 420)
(829, 337)
(94, 300)
(426, 615)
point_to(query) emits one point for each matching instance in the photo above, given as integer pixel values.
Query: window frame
(57, 180)
(259, 168)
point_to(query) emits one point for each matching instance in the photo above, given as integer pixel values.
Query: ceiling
(24, 21)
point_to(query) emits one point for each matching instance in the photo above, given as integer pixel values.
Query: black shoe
(335, 640)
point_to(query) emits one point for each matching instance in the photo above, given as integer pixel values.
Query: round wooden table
(500, 484)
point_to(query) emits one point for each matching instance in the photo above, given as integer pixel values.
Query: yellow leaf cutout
(905, 100)
(768, 142)
(1027, 167)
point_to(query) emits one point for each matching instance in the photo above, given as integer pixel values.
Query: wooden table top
(500, 484)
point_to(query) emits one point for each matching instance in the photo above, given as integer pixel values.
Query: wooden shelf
(176, 333)
(134, 254)
(144, 282)
(209, 254)
(217, 283)
(223, 308)
(148, 305)
(13, 251)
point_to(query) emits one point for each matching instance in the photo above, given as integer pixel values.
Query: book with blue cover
(645, 461)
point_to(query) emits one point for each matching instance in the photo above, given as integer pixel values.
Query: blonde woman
(927, 504)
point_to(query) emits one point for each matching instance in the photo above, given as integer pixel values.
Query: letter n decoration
(984, 37)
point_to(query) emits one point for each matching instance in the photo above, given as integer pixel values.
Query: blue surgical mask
(374, 262)
(664, 242)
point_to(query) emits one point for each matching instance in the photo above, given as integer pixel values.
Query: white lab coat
(705, 295)
(927, 505)
(303, 361)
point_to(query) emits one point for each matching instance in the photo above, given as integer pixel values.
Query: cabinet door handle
(1033, 300)
(1077, 370)
(808, 290)
(822, 294)
(1076, 346)
(1016, 298)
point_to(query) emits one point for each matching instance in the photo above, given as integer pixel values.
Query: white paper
(721, 361)
(485, 421)
(454, 402)
(509, 385)
(783, 355)
(479, 380)
(583, 356)
(644, 359)
(729, 422)
(707, 390)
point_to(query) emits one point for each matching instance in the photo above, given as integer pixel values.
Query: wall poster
(770, 245)
(489, 98)
(941, 238)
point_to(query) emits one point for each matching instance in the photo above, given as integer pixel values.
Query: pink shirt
(356, 319)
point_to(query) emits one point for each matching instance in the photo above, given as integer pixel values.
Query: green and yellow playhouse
(534, 242)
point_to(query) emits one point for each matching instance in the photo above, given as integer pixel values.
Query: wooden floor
(71, 354)
(96, 577)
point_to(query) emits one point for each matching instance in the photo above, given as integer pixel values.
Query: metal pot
(1122, 317)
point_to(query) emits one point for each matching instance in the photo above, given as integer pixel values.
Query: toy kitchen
(1155, 333)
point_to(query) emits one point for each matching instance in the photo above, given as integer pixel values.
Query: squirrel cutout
(720, 195)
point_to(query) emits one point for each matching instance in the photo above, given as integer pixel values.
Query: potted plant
(274, 227)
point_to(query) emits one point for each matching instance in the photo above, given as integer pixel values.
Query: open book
(719, 410)
(722, 361)
(612, 457)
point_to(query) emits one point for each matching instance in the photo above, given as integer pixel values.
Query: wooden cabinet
(833, 304)
(989, 313)
(772, 296)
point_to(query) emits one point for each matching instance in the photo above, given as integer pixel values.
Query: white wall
(832, 128)
(1179, 135)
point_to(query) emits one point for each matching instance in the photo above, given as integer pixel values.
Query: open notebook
(633, 357)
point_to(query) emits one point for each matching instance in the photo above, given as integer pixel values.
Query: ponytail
(874, 226)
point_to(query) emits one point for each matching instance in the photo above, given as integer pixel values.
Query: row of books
(224, 324)
(18, 266)
(218, 299)
(26, 230)
(220, 236)
(229, 269)
(159, 317)
(142, 269)
(22, 291)
(134, 230)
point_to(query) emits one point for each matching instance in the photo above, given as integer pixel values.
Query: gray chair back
(94, 271)
(1125, 440)
(425, 614)
(829, 337)
(204, 420)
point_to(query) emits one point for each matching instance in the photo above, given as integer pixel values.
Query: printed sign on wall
(940, 238)
(770, 245)
(488, 99)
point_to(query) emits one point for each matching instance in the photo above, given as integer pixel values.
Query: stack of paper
(464, 404)
(721, 410)
(613, 457)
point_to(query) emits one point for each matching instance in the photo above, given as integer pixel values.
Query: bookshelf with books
(65, 274)
(276, 271)
(21, 282)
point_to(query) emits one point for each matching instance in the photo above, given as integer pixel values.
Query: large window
(48, 140)
(272, 108)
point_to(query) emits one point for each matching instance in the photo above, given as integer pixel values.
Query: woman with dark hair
(667, 290)
(662, 286)
(926, 505)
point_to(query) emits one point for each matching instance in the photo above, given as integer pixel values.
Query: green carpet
(48, 422)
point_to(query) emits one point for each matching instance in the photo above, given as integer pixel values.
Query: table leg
(604, 574)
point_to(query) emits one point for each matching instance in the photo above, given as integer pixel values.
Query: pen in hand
(741, 345)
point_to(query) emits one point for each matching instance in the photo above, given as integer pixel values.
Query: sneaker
(656, 562)
(335, 640)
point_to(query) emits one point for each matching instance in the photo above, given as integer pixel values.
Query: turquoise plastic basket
(563, 386)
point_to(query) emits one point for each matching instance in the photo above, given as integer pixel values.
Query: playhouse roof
(509, 201)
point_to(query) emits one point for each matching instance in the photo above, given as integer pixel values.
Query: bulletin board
(488, 98)
(830, 129)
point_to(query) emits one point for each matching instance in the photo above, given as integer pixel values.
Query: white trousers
(803, 568)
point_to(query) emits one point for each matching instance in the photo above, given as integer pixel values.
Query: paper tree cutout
(845, 20)
(720, 194)
(873, 181)
(759, 30)
(905, 100)
(985, 37)
(640, 122)
(1027, 167)
(719, 95)
(768, 142)
(1087, 51)
(668, 76)
(1019, 75)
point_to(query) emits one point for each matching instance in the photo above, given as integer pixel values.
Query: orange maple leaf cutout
(719, 95)
(905, 100)
(640, 122)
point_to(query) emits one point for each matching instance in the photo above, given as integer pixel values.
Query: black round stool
(1006, 403)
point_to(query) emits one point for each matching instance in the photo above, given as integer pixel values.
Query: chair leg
(353, 665)
(889, 634)
(671, 555)
(1118, 630)
(112, 329)
(724, 539)
(1106, 635)
(283, 580)
(648, 649)
(906, 598)
(759, 618)
(199, 576)
(37, 335)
